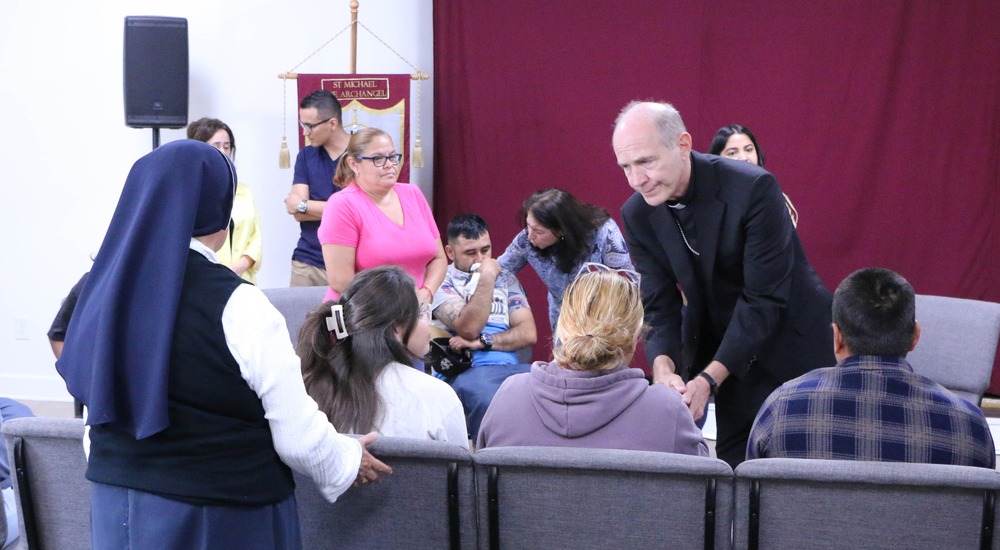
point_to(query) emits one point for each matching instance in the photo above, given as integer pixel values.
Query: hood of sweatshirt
(576, 403)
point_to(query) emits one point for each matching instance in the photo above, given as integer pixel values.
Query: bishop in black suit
(717, 230)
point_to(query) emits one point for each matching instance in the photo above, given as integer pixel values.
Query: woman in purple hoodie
(588, 396)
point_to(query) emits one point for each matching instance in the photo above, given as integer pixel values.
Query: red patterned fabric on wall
(881, 120)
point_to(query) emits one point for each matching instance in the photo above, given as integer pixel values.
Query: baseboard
(34, 388)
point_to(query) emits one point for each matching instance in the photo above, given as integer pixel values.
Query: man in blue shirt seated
(484, 310)
(871, 405)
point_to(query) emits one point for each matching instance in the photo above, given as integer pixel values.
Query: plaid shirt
(871, 408)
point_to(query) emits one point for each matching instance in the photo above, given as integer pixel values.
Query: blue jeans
(476, 387)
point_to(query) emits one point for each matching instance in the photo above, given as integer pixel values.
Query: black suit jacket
(754, 302)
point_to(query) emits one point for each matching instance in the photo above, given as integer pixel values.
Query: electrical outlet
(20, 328)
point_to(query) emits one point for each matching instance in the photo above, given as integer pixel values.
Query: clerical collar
(685, 200)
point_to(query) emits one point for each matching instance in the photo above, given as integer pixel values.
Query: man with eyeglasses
(717, 229)
(484, 310)
(320, 118)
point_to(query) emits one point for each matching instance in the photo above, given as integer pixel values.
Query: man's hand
(489, 267)
(673, 381)
(698, 389)
(696, 396)
(292, 202)
(370, 467)
(664, 373)
(458, 343)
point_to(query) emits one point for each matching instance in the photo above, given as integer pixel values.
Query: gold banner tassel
(417, 160)
(284, 157)
(418, 154)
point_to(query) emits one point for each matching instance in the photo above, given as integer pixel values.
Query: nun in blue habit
(193, 391)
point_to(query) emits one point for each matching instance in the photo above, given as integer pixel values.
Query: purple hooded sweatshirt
(613, 409)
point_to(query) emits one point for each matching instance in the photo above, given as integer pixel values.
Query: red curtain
(881, 119)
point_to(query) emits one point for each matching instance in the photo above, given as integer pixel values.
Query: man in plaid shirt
(871, 405)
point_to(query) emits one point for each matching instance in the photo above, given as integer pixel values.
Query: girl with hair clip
(356, 354)
(560, 234)
(588, 396)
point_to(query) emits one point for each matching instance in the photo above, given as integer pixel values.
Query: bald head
(664, 116)
(653, 149)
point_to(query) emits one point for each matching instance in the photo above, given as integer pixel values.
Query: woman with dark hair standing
(561, 234)
(356, 354)
(738, 142)
(242, 251)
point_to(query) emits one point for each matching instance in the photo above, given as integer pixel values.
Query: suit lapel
(708, 213)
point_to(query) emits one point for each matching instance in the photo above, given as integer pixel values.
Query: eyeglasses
(310, 126)
(380, 160)
(425, 312)
(594, 267)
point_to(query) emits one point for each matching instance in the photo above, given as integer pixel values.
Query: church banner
(370, 100)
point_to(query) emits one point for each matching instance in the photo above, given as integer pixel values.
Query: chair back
(427, 502)
(826, 504)
(548, 497)
(958, 343)
(53, 496)
(294, 303)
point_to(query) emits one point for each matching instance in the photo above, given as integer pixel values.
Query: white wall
(65, 150)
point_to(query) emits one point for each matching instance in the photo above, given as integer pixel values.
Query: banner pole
(354, 36)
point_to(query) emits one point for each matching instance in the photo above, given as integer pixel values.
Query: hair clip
(336, 324)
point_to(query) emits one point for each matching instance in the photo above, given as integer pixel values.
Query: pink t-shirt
(351, 218)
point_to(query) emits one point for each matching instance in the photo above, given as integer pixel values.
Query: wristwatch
(713, 388)
(487, 341)
(303, 206)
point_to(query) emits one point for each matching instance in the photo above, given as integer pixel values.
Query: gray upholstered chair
(958, 343)
(294, 303)
(548, 497)
(53, 496)
(826, 504)
(427, 502)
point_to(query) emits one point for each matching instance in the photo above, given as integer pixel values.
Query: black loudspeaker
(156, 72)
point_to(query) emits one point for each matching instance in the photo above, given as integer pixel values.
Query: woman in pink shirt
(376, 221)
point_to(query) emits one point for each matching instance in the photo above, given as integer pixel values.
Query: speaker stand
(156, 137)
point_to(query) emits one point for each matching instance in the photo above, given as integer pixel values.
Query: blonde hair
(599, 323)
(355, 148)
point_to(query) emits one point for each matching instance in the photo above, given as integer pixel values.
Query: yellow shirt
(245, 237)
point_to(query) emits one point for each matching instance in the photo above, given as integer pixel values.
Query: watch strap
(487, 341)
(712, 385)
